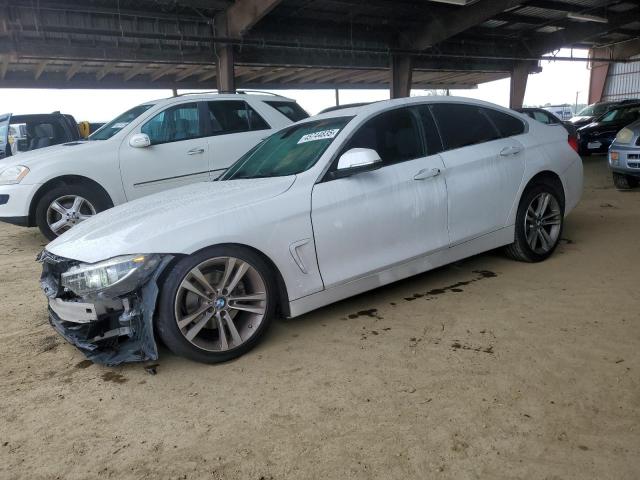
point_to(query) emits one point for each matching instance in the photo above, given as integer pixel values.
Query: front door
(370, 221)
(178, 153)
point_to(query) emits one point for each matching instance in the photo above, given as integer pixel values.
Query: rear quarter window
(291, 110)
(508, 125)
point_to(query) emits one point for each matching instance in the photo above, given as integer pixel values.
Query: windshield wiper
(249, 177)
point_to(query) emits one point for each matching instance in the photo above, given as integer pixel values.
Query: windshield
(289, 151)
(628, 115)
(594, 110)
(118, 123)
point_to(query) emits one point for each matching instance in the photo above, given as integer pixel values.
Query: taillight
(573, 142)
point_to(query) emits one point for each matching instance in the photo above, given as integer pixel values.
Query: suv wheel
(624, 182)
(65, 206)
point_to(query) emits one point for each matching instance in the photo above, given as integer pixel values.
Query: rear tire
(51, 208)
(539, 222)
(624, 182)
(237, 296)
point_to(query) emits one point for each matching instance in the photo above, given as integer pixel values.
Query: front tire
(64, 206)
(624, 182)
(217, 304)
(539, 223)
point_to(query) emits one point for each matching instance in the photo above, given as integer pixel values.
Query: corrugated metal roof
(173, 40)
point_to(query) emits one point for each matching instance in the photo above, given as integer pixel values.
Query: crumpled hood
(48, 154)
(159, 223)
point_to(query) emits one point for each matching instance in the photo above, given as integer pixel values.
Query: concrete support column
(400, 76)
(225, 62)
(598, 74)
(519, 76)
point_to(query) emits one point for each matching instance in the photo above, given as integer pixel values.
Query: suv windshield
(625, 114)
(289, 151)
(118, 123)
(594, 109)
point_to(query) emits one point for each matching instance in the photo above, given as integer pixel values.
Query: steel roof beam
(582, 31)
(244, 14)
(442, 27)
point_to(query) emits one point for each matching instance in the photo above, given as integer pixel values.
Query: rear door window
(462, 125)
(394, 135)
(233, 116)
(291, 110)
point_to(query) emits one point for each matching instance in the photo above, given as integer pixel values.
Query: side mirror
(140, 140)
(357, 160)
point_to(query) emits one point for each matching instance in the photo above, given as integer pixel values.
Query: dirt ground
(485, 369)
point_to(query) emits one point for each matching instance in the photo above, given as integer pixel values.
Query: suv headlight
(118, 275)
(13, 175)
(624, 136)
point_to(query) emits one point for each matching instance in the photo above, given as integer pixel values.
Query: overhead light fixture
(585, 17)
(461, 3)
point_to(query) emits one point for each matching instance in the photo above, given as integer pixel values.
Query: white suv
(152, 147)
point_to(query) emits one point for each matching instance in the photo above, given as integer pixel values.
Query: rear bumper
(585, 148)
(572, 180)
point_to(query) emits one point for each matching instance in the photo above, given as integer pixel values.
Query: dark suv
(598, 135)
(22, 133)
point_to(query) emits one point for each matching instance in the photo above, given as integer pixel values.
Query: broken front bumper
(108, 331)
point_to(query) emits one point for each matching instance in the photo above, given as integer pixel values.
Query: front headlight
(118, 275)
(13, 175)
(624, 136)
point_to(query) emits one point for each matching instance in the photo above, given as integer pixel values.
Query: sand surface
(531, 373)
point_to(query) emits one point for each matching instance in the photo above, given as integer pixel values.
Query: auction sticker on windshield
(321, 135)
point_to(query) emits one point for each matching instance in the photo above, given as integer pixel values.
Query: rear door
(235, 128)
(484, 166)
(178, 153)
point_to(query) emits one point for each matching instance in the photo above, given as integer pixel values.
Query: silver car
(624, 157)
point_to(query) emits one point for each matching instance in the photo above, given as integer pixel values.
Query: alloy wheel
(220, 304)
(66, 211)
(543, 222)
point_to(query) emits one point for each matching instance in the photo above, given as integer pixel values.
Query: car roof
(34, 117)
(626, 105)
(386, 104)
(263, 96)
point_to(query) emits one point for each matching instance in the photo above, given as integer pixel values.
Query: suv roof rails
(344, 106)
(195, 93)
(259, 92)
(239, 92)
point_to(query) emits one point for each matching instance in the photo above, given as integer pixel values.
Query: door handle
(195, 151)
(427, 173)
(507, 151)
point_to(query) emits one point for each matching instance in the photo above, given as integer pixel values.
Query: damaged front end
(105, 309)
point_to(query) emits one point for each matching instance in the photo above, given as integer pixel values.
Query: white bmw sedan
(324, 209)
